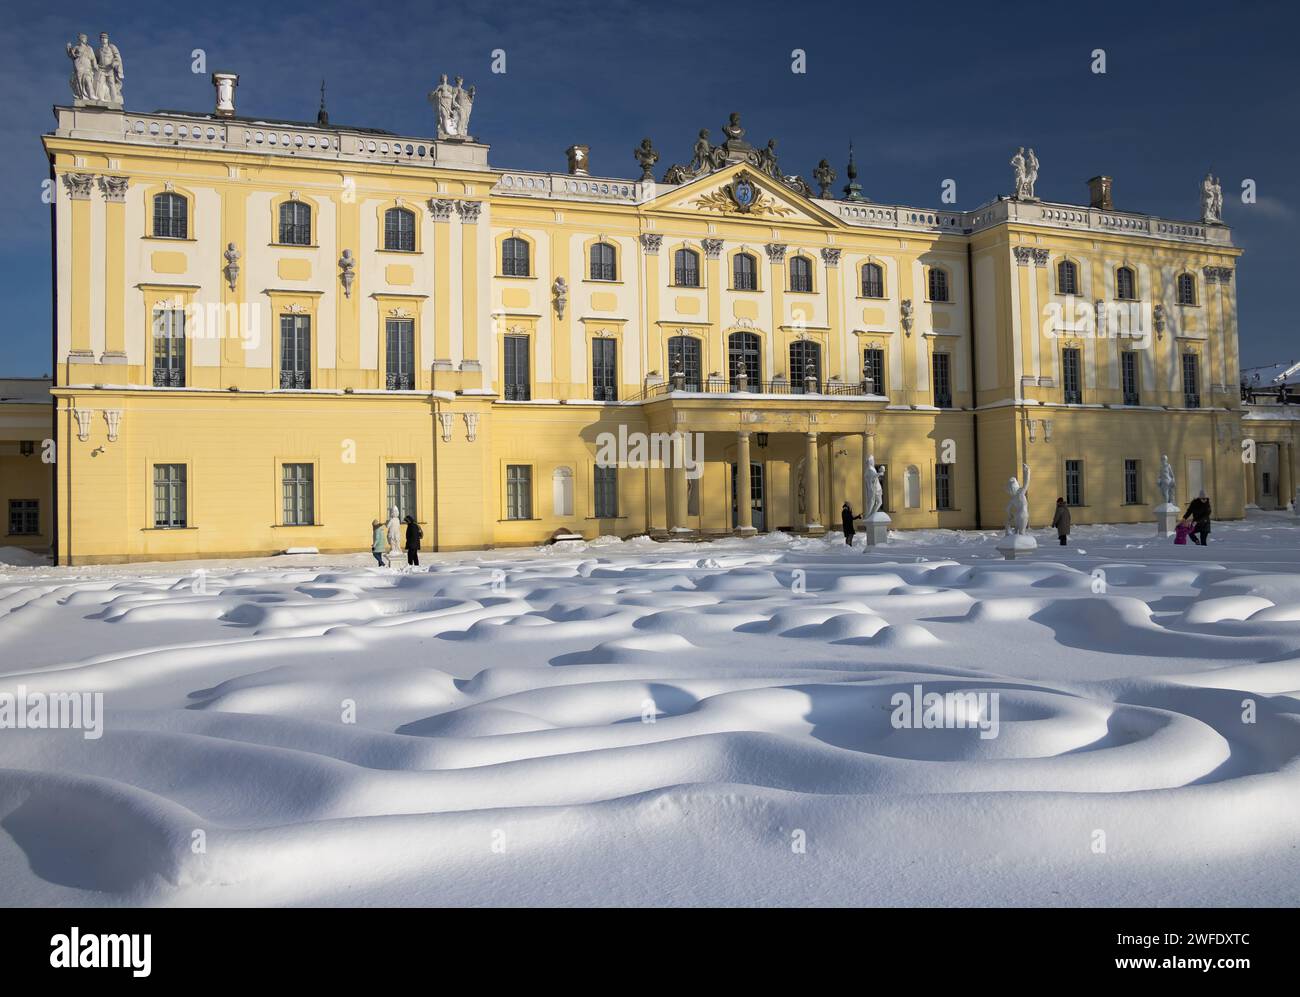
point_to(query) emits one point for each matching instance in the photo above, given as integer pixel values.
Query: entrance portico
(761, 467)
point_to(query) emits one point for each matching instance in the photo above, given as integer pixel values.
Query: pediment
(743, 193)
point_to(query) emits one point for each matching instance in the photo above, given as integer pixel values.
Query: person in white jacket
(394, 535)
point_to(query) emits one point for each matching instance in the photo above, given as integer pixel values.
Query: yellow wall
(232, 425)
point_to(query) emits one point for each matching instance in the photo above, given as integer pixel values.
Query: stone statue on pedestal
(871, 487)
(97, 74)
(1018, 507)
(1211, 200)
(1025, 169)
(646, 157)
(1165, 481)
(452, 105)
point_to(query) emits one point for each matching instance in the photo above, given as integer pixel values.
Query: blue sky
(926, 91)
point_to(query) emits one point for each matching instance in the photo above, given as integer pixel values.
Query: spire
(322, 116)
(853, 189)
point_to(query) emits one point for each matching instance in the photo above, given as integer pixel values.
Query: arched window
(1186, 289)
(743, 349)
(295, 224)
(744, 270)
(805, 361)
(399, 230)
(938, 284)
(873, 280)
(684, 358)
(602, 262)
(170, 217)
(1125, 284)
(686, 268)
(912, 487)
(514, 258)
(800, 274)
(1067, 277)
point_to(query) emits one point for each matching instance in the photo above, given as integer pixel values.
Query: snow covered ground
(312, 729)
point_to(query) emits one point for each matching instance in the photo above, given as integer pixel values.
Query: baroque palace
(267, 333)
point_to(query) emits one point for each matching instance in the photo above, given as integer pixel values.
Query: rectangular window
(1072, 393)
(295, 351)
(873, 370)
(401, 490)
(873, 281)
(604, 370)
(943, 486)
(519, 491)
(24, 517)
(745, 273)
(518, 383)
(684, 358)
(938, 284)
(1132, 482)
(169, 348)
(299, 500)
(1191, 380)
(169, 217)
(295, 224)
(686, 269)
(1074, 482)
(1129, 371)
(169, 496)
(942, 381)
(399, 230)
(606, 492)
(400, 336)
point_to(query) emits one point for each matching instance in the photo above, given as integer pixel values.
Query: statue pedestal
(1166, 519)
(1015, 545)
(876, 528)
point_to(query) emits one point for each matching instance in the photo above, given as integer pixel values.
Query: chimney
(578, 158)
(225, 84)
(1099, 194)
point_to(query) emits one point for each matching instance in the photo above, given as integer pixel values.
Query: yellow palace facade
(269, 333)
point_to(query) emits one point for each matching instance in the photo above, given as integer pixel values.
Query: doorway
(755, 497)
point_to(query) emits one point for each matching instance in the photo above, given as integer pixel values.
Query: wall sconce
(762, 440)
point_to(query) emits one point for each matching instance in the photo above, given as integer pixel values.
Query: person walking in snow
(378, 541)
(1199, 513)
(1061, 521)
(394, 533)
(413, 537)
(847, 517)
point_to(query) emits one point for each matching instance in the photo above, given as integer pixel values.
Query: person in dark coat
(1061, 521)
(847, 517)
(1199, 513)
(413, 537)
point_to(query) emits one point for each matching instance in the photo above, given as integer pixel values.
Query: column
(1286, 474)
(440, 210)
(78, 188)
(677, 510)
(469, 269)
(744, 498)
(812, 485)
(114, 189)
(1251, 497)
